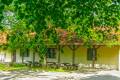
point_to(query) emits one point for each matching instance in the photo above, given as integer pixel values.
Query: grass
(7, 67)
(23, 67)
(18, 67)
(47, 69)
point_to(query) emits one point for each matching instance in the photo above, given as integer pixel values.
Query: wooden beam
(96, 46)
(73, 47)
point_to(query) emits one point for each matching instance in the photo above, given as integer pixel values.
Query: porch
(106, 57)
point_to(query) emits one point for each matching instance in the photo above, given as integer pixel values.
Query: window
(91, 53)
(24, 53)
(51, 53)
(2, 57)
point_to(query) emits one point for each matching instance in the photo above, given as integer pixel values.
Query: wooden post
(13, 56)
(46, 60)
(93, 58)
(33, 58)
(22, 54)
(59, 52)
(73, 55)
(73, 48)
(94, 54)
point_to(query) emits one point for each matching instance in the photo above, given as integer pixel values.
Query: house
(104, 56)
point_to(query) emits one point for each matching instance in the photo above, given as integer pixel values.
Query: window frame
(24, 53)
(51, 53)
(91, 52)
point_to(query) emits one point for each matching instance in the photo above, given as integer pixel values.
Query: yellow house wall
(66, 56)
(106, 56)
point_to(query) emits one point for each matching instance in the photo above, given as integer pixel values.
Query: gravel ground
(29, 75)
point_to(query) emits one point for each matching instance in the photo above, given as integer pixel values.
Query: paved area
(29, 75)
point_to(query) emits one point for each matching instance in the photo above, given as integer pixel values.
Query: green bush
(18, 65)
(2, 65)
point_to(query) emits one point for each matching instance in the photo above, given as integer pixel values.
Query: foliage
(18, 35)
(82, 15)
(6, 67)
(45, 16)
(20, 67)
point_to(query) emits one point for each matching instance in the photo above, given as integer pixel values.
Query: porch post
(46, 60)
(93, 58)
(59, 52)
(13, 56)
(73, 48)
(33, 58)
(73, 55)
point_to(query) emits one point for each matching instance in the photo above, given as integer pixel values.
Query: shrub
(18, 65)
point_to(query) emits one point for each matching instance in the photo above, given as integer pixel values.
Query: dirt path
(29, 75)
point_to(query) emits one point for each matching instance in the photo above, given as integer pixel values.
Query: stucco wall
(5, 55)
(66, 55)
(106, 57)
(18, 58)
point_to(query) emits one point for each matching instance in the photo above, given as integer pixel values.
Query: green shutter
(90, 52)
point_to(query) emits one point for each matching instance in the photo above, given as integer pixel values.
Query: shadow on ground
(29, 75)
(13, 75)
(101, 77)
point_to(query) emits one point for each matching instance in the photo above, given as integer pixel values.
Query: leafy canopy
(76, 16)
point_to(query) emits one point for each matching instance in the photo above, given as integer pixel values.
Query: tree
(18, 37)
(82, 16)
(85, 18)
